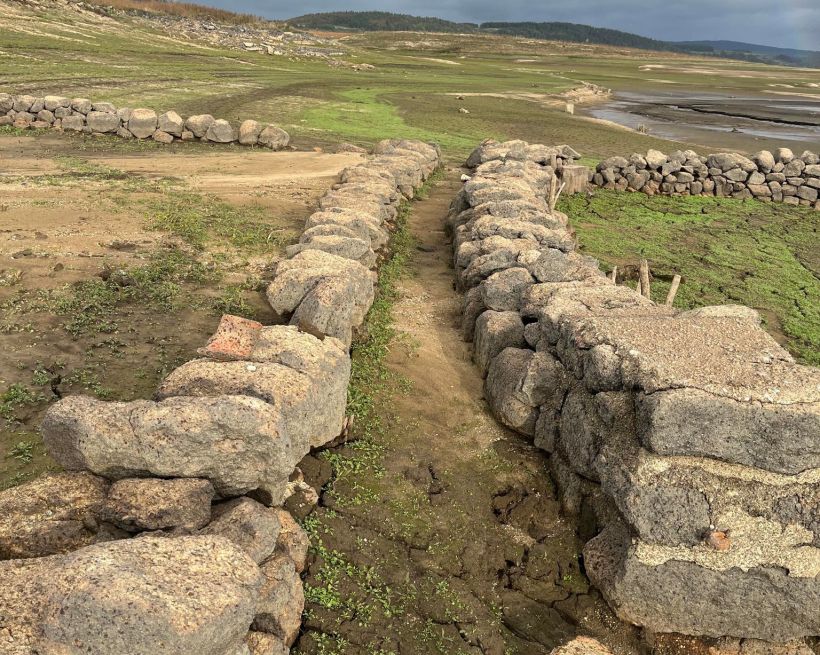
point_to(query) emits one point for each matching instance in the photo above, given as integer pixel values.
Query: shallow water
(744, 123)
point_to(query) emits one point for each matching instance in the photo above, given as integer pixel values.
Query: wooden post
(614, 274)
(638, 289)
(646, 291)
(673, 291)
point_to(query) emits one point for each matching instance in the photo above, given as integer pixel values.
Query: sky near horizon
(783, 23)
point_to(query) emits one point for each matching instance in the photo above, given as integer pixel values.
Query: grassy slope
(411, 94)
(406, 94)
(728, 251)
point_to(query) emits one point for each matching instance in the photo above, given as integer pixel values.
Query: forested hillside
(373, 21)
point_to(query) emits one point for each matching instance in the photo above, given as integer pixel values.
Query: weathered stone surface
(714, 597)
(199, 124)
(102, 122)
(73, 123)
(220, 131)
(502, 291)
(727, 161)
(297, 276)
(249, 132)
(655, 159)
(281, 354)
(764, 160)
(556, 266)
(171, 123)
(45, 116)
(504, 378)
(53, 514)
(52, 102)
(81, 105)
(274, 137)
(179, 437)
(784, 155)
(582, 646)
(293, 541)
(104, 107)
(261, 643)
(139, 504)
(162, 137)
(185, 595)
(364, 226)
(281, 600)
(296, 397)
(774, 436)
(329, 308)
(248, 524)
(348, 247)
(233, 340)
(142, 123)
(495, 331)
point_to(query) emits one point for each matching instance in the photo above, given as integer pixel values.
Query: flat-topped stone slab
(139, 596)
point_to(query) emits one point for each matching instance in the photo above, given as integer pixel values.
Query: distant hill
(382, 21)
(378, 21)
(752, 52)
(575, 33)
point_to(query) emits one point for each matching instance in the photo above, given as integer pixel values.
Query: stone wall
(166, 532)
(686, 443)
(781, 176)
(81, 115)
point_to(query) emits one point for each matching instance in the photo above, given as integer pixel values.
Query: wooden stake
(558, 195)
(646, 291)
(673, 291)
(553, 186)
(614, 274)
(638, 289)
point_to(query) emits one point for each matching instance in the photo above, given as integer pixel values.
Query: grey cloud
(784, 23)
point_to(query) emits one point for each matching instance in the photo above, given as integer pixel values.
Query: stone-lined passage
(82, 115)
(200, 472)
(688, 443)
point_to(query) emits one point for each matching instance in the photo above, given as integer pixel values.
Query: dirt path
(448, 539)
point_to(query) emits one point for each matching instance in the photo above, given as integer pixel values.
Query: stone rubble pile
(688, 443)
(87, 117)
(781, 176)
(166, 532)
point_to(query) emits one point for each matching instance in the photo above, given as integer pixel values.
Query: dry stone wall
(781, 176)
(82, 115)
(688, 443)
(166, 532)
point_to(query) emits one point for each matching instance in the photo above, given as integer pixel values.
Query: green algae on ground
(763, 255)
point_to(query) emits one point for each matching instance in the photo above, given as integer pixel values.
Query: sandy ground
(68, 215)
(83, 220)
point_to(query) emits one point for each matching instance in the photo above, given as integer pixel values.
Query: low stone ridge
(769, 177)
(81, 115)
(167, 533)
(326, 286)
(692, 438)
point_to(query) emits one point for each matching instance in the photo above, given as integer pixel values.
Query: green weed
(728, 251)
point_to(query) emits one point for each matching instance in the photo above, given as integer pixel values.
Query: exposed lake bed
(716, 120)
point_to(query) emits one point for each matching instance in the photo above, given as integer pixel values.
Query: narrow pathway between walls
(439, 531)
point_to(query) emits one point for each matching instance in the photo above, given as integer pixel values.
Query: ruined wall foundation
(166, 532)
(687, 443)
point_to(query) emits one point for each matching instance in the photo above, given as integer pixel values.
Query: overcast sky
(784, 23)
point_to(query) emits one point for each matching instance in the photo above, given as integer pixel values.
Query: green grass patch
(762, 255)
(91, 305)
(15, 397)
(201, 219)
